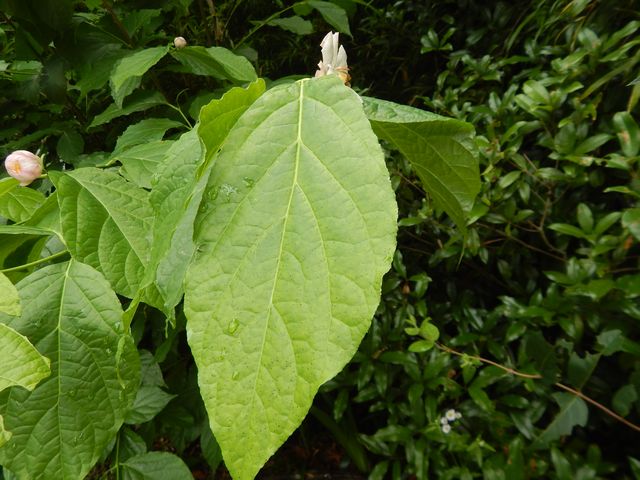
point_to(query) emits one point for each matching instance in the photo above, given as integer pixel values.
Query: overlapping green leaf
(138, 102)
(573, 411)
(145, 131)
(18, 203)
(141, 162)
(61, 427)
(9, 299)
(178, 192)
(106, 223)
(296, 229)
(154, 466)
(440, 150)
(22, 364)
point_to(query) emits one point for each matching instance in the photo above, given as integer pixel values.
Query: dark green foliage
(546, 279)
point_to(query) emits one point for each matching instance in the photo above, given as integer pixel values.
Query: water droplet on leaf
(233, 326)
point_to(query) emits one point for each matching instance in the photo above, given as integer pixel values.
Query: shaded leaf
(149, 402)
(332, 14)
(573, 411)
(293, 24)
(127, 71)
(145, 131)
(440, 150)
(154, 466)
(138, 102)
(141, 162)
(216, 62)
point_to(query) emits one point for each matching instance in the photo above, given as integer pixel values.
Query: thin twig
(559, 385)
(35, 262)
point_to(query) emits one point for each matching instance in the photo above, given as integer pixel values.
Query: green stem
(262, 24)
(177, 109)
(36, 262)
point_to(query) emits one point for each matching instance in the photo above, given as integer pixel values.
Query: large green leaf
(294, 234)
(440, 149)
(106, 223)
(60, 429)
(178, 192)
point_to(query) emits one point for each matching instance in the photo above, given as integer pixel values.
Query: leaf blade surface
(292, 246)
(61, 427)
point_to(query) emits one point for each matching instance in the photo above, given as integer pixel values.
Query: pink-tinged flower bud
(24, 166)
(179, 42)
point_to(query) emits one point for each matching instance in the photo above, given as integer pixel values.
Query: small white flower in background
(24, 166)
(179, 42)
(334, 58)
(449, 417)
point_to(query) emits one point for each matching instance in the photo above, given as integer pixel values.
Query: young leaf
(292, 247)
(440, 150)
(60, 429)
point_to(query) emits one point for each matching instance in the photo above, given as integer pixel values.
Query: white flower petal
(341, 58)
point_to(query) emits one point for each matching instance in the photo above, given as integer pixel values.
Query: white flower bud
(24, 166)
(443, 420)
(179, 42)
(446, 428)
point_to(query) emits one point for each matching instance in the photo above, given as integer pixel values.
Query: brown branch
(559, 385)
